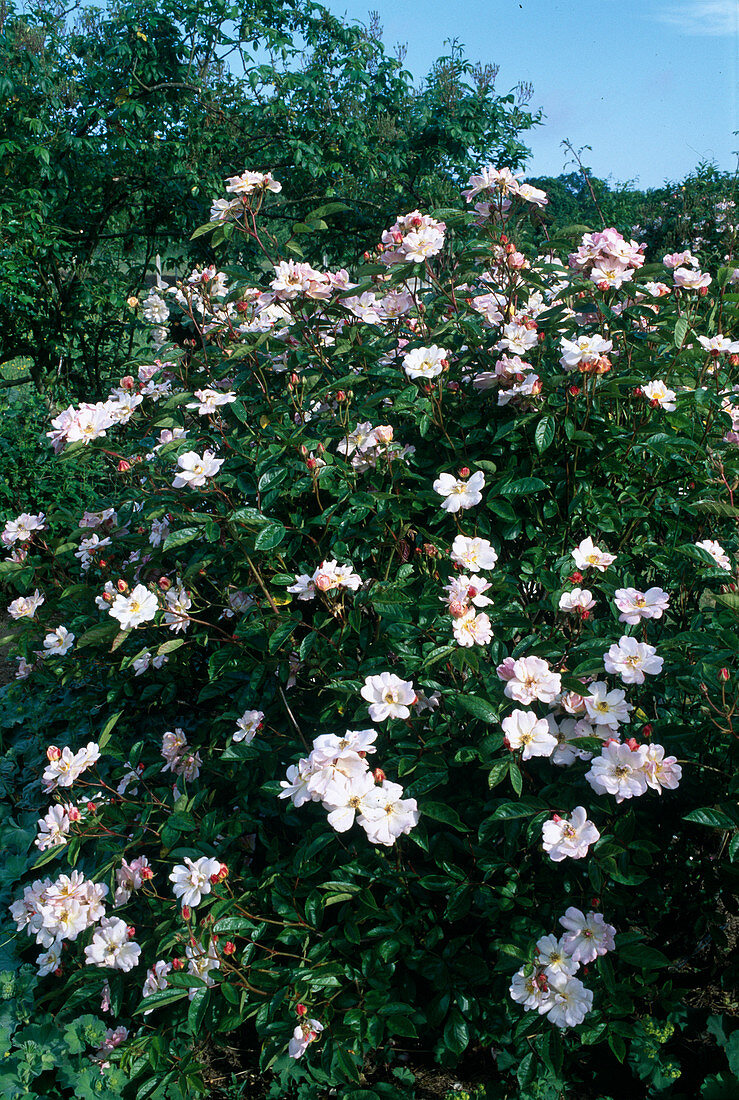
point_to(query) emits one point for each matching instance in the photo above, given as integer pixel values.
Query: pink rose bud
(164, 583)
(464, 471)
(121, 585)
(301, 1010)
(384, 433)
(123, 466)
(178, 964)
(456, 609)
(556, 817)
(311, 463)
(127, 382)
(724, 674)
(130, 931)
(633, 744)
(303, 450)
(92, 807)
(734, 360)
(229, 947)
(53, 753)
(74, 814)
(379, 775)
(575, 577)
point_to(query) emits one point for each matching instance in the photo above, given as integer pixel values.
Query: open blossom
(719, 345)
(304, 1034)
(577, 601)
(472, 629)
(388, 696)
(249, 182)
(194, 470)
(139, 607)
(248, 724)
(632, 660)
(425, 362)
(530, 988)
(179, 757)
(345, 803)
(563, 837)
(583, 352)
(25, 607)
(635, 605)
(156, 979)
(191, 879)
(386, 815)
(619, 771)
(553, 957)
(660, 770)
(53, 828)
(607, 708)
(177, 603)
(716, 551)
(523, 730)
(530, 678)
(586, 936)
(22, 528)
(690, 279)
(112, 947)
(58, 642)
(208, 401)
(65, 767)
(463, 592)
(130, 877)
(460, 492)
(572, 1001)
(473, 554)
(588, 556)
(657, 393)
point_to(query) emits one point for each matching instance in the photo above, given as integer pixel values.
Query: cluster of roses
(466, 594)
(549, 986)
(61, 910)
(336, 773)
(607, 259)
(366, 445)
(500, 188)
(328, 577)
(413, 238)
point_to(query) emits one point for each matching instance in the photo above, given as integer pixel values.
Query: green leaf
(480, 708)
(156, 1000)
(270, 536)
(439, 811)
(510, 811)
(179, 538)
(544, 433)
(681, 331)
(638, 954)
(497, 773)
(196, 1012)
(715, 819)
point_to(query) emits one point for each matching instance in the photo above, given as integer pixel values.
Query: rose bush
(386, 705)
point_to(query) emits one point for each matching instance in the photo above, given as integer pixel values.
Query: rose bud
(575, 577)
(74, 814)
(127, 382)
(379, 775)
(229, 947)
(574, 390)
(121, 585)
(178, 964)
(724, 674)
(123, 467)
(647, 730)
(301, 1010)
(164, 583)
(53, 753)
(130, 931)
(92, 807)
(464, 471)
(633, 744)
(185, 912)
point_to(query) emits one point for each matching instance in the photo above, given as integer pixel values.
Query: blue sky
(650, 85)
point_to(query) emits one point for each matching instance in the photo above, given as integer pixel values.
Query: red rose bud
(633, 744)
(301, 1010)
(465, 471)
(92, 807)
(584, 614)
(185, 912)
(556, 817)
(127, 382)
(724, 674)
(637, 392)
(229, 947)
(340, 395)
(223, 873)
(379, 775)
(74, 814)
(121, 585)
(734, 360)
(595, 902)
(123, 467)
(130, 931)
(146, 873)
(575, 577)
(444, 363)
(164, 583)
(303, 450)
(178, 964)
(647, 730)
(573, 391)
